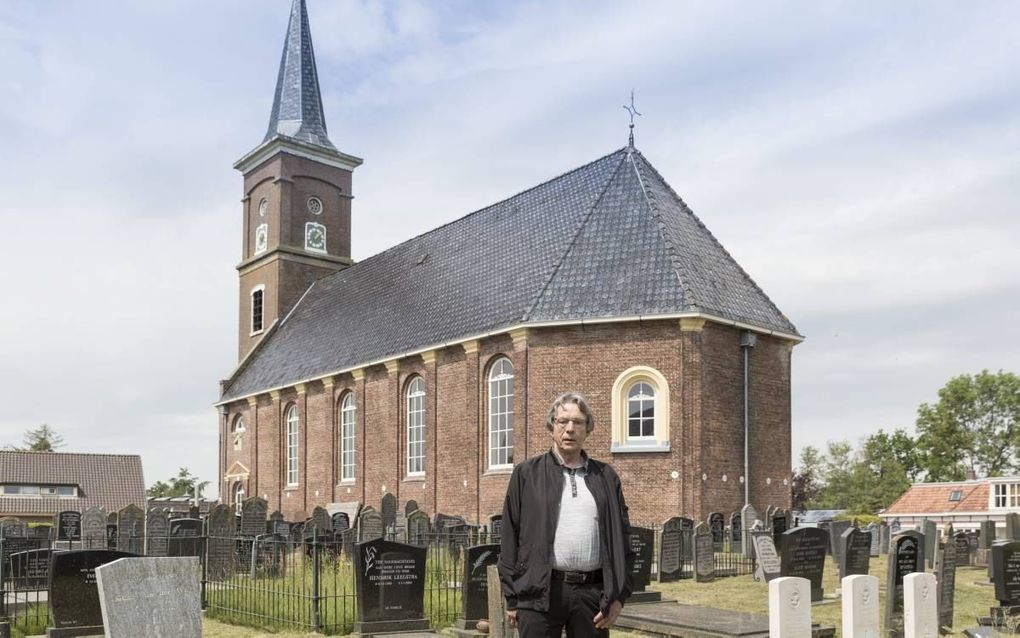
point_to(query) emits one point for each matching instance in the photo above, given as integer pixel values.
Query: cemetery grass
(974, 595)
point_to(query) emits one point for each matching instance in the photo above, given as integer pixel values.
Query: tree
(181, 485)
(973, 426)
(40, 439)
(806, 486)
(878, 476)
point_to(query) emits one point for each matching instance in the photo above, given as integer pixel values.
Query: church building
(426, 371)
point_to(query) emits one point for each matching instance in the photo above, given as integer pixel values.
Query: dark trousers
(570, 606)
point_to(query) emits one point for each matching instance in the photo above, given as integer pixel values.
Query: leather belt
(578, 578)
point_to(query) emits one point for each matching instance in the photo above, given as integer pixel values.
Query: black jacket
(530, 514)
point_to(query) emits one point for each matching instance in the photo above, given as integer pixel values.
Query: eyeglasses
(562, 423)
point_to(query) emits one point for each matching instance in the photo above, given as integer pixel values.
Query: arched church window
(416, 427)
(238, 432)
(640, 411)
(258, 294)
(238, 496)
(501, 414)
(348, 412)
(292, 445)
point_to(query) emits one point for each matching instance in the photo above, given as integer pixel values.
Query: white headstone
(920, 606)
(860, 606)
(790, 607)
(153, 597)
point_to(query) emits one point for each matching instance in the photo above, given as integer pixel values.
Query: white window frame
(308, 228)
(1004, 495)
(642, 400)
(659, 440)
(292, 419)
(501, 413)
(238, 432)
(238, 496)
(261, 288)
(348, 423)
(415, 415)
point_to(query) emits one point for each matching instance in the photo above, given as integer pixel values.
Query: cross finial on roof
(633, 111)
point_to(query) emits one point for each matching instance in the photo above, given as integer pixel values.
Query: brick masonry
(703, 367)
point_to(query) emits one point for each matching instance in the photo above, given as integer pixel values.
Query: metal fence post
(204, 559)
(316, 623)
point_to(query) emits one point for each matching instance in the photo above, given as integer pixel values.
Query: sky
(860, 160)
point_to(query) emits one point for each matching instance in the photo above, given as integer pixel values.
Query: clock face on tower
(261, 237)
(315, 237)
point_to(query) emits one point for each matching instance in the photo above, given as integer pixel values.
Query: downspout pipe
(747, 341)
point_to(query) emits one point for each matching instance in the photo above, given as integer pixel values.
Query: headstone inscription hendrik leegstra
(475, 585)
(803, 556)
(150, 597)
(642, 541)
(74, 598)
(906, 556)
(390, 586)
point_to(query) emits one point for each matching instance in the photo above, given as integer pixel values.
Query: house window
(416, 427)
(238, 496)
(501, 414)
(347, 414)
(640, 411)
(40, 491)
(292, 445)
(1006, 495)
(238, 432)
(956, 496)
(257, 308)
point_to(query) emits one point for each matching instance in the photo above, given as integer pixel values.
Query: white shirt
(576, 544)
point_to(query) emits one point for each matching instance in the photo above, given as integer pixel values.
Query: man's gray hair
(582, 405)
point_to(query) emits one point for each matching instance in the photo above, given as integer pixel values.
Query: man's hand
(511, 617)
(606, 621)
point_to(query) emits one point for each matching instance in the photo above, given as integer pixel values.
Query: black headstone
(735, 531)
(987, 535)
(836, 529)
(687, 540)
(780, 523)
(495, 528)
(410, 506)
(220, 559)
(961, 540)
(253, 516)
(642, 541)
(803, 555)
(389, 510)
(717, 523)
(418, 528)
(945, 578)
(321, 521)
(390, 586)
(183, 537)
(1006, 557)
(69, 526)
(475, 593)
(74, 598)
(906, 556)
(370, 525)
(111, 535)
(341, 521)
(855, 553)
(29, 569)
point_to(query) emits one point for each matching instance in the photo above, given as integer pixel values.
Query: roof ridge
(711, 236)
(68, 453)
(573, 239)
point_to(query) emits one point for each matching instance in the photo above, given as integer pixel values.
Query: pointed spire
(297, 106)
(633, 111)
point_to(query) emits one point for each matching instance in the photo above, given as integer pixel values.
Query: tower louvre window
(257, 307)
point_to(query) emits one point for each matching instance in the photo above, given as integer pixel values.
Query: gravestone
(687, 540)
(780, 523)
(74, 598)
(370, 525)
(131, 529)
(931, 541)
(883, 541)
(253, 517)
(855, 553)
(93, 528)
(111, 534)
(69, 526)
(735, 532)
(150, 597)
(906, 556)
(789, 613)
(184, 537)
(704, 554)
(876, 539)
(157, 532)
(860, 606)
(920, 606)
(495, 528)
(29, 569)
(987, 535)
(803, 556)
(769, 511)
(474, 584)
(717, 523)
(1006, 557)
(268, 555)
(321, 521)
(836, 529)
(220, 543)
(410, 506)
(10, 545)
(748, 516)
(768, 566)
(390, 587)
(945, 575)
(962, 542)
(1012, 526)
(13, 528)
(340, 521)
(457, 537)
(41, 532)
(669, 550)
(389, 510)
(642, 542)
(418, 528)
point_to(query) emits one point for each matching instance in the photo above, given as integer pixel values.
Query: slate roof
(297, 105)
(608, 239)
(933, 498)
(111, 481)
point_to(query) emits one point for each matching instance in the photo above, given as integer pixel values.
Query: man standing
(566, 559)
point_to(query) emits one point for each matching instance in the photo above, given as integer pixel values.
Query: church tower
(297, 195)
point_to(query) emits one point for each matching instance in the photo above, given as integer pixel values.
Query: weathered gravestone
(390, 587)
(29, 569)
(74, 598)
(780, 523)
(10, 545)
(111, 532)
(93, 528)
(69, 526)
(961, 540)
(642, 541)
(1006, 556)
(340, 521)
(883, 541)
(704, 554)
(803, 556)
(474, 584)
(253, 517)
(735, 532)
(157, 533)
(945, 574)
(268, 555)
(768, 565)
(855, 553)
(906, 556)
(987, 535)
(389, 511)
(836, 529)
(13, 528)
(220, 559)
(717, 523)
(418, 528)
(410, 506)
(184, 538)
(748, 517)
(370, 526)
(321, 521)
(41, 532)
(931, 541)
(1012, 526)
(687, 544)
(131, 529)
(495, 528)
(875, 539)
(157, 597)
(669, 550)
